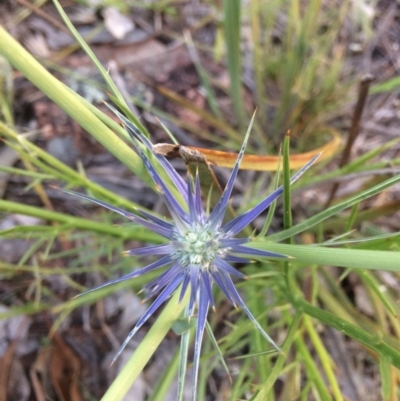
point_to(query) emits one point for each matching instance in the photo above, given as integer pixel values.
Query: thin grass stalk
(232, 29)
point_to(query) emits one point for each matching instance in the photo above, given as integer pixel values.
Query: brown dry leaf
(191, 154)
(13, 382)
(39, 376)
(65, 370)
(56, 370)
(270, 163)
(14, 385)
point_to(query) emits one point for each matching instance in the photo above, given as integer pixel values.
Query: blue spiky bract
(199, 249)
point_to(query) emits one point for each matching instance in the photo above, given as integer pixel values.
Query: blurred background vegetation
(198, 69)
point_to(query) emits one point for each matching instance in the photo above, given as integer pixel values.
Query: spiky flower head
(199, 248)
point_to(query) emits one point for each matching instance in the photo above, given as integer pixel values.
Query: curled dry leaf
(56, 370)
(191, 154)
(65, 369)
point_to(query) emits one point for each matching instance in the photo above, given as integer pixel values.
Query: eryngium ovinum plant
(200, 248)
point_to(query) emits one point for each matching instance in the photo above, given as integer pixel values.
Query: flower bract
(200, 248)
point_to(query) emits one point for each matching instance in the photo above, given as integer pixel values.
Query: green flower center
(198, 246)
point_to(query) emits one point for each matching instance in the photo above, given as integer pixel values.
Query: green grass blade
(384, 368)
(271, 209)
(324, 357)
(202, 73)
(160, 390)
(69, 102)
(182, 369)
(325, 214)
(90, 54)
(232, 29)
(132, 232)
(373, 341)
(373, 285)
(287, 214)
(267, 386)
(350, 258)
(217, 348)
(312, 370)
(387, 86)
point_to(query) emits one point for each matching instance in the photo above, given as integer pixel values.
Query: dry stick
(354, 130)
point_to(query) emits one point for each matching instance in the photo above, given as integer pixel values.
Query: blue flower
(199, 248)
